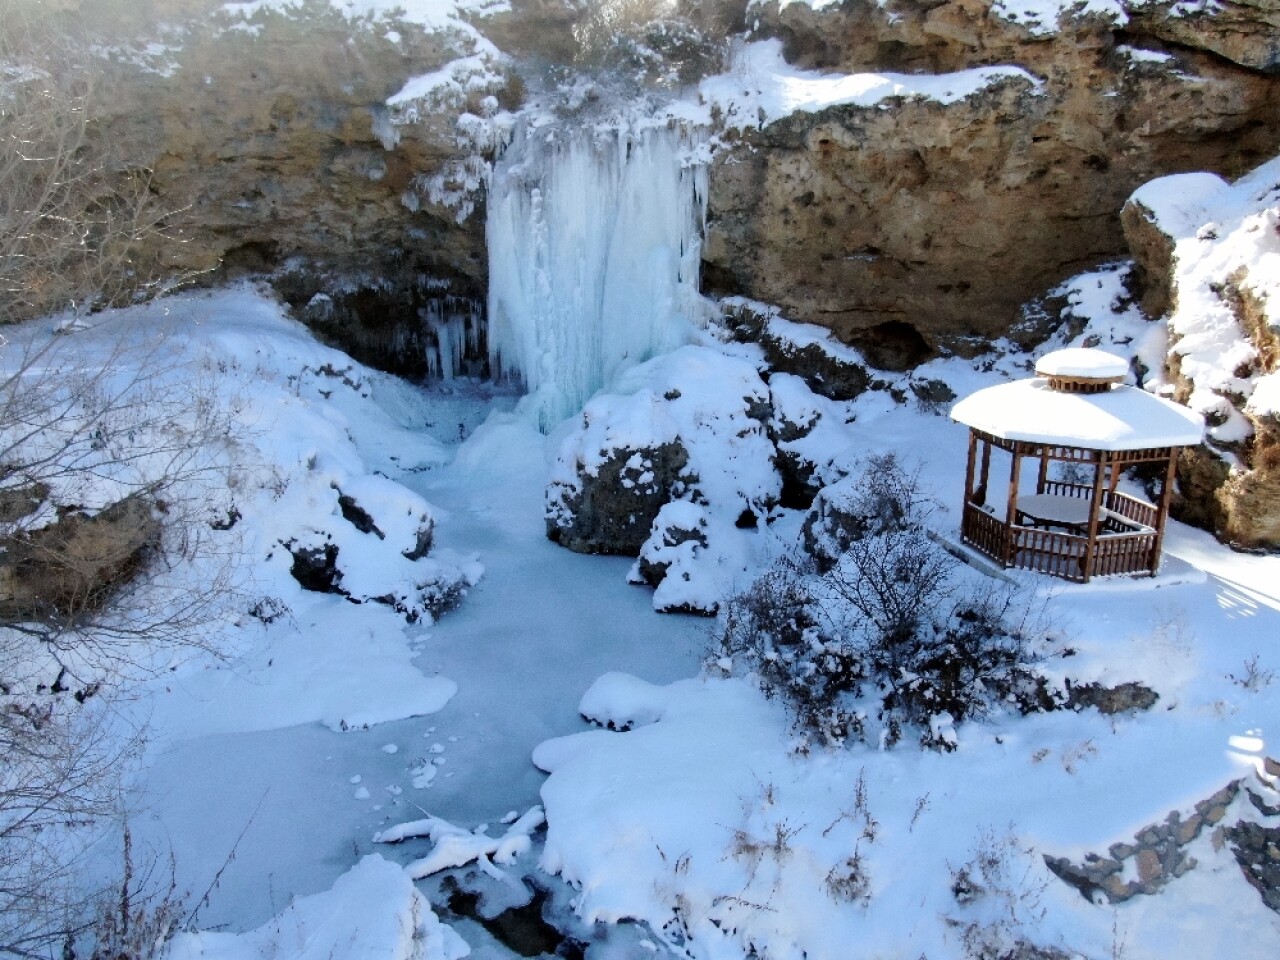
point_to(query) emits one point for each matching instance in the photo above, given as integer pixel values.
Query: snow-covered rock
(675, 466)
(373, 910)
(1209, 253)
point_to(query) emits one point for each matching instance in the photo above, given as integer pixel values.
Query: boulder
(71, 568)
(612, 509)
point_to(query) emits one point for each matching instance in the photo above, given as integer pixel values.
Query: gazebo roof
(1122, 418)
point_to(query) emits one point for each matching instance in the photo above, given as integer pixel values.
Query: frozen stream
(522, 648)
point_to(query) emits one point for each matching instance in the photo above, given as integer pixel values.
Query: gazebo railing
(1119, 549)
(1123, 553)
(983, 531)
(1131, 508)
(1046, 551)
(1139, 512)
(1061, 488)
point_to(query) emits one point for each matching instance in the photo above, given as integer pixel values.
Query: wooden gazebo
(1076, 412)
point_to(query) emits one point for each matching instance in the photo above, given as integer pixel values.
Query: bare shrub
(882, 626)
(58, 785)
(1253, 676)
(108, 459)
(80, 226)
(137, 918)
(1000, 901)
(112, 468)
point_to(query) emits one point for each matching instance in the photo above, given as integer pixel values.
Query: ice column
(595, 243)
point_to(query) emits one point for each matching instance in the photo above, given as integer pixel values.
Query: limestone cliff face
(912, 228)
(271, 138)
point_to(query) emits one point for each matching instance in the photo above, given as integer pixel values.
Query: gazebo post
(980, 494)
(968, 470)
(1044, 469)
(1101, 461)
(1011, 511)
(1162, 508)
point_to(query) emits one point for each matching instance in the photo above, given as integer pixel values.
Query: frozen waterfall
(595, 242)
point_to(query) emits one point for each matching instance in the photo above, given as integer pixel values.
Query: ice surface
(595, 241)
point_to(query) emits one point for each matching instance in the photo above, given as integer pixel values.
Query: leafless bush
(58, 787)
(137, 917)
(1253, 677)
(880, 627)
(111, 464)
(1000, 897)
(110, 470)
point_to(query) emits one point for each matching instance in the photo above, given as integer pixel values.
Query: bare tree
(58, 786)
(78, 216)
(112, 470)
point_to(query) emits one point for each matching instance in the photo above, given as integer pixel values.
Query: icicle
(595, 245)
(456, 324)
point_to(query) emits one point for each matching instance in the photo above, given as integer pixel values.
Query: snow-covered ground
(702, 820)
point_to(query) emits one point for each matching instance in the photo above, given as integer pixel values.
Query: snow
(595, 240)
(703, 821)
(1226, 239)
(760, 87)
(372, 910)
(1042, 17)
(1123, 418)
(1084, 362)
(699, 813)
(457, 847)
(707, 403)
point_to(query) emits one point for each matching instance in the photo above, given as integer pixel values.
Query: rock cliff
(276, 152)
(345, 155)
(914, 227)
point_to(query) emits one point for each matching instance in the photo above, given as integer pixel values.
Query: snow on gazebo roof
(1083, 362)
(1122, 418)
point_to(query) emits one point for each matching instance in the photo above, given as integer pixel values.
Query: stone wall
(273, 150)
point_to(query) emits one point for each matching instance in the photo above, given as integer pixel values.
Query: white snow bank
(1123, 418)
(710, 404)
(1226, 244)
(373, 910)
(760, 86)
(1183, 202)
(705, 825)
(699, 397)
(621, 701)
(307, 428)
